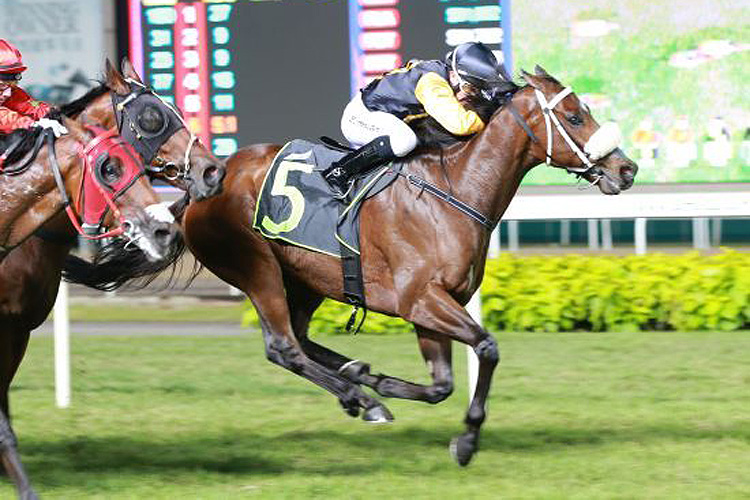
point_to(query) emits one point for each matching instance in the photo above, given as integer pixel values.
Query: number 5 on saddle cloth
(297, 206)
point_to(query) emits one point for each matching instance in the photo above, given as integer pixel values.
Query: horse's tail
(114, 266)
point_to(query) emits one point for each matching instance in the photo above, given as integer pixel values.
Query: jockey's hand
(57, 128)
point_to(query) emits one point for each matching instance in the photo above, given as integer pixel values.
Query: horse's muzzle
(207, 181)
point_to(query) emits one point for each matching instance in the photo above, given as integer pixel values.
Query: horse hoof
(462, 449)
(377, 415)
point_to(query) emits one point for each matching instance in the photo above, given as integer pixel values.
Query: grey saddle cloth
(296, 204)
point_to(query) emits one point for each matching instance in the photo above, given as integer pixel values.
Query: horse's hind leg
(12, 348)
(437, 311)
(302, 304)
(436, 351)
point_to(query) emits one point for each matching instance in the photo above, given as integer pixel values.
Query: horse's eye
(110, 171)
(575, 120)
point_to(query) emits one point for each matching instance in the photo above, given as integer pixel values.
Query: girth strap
(449, 199)
(354, 287)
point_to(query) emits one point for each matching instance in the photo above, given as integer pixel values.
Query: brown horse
(422, 258)
(30, 274)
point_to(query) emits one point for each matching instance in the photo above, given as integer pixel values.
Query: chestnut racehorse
(422, 258)
(30, 274)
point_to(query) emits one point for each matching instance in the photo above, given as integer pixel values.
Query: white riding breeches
(360, 126)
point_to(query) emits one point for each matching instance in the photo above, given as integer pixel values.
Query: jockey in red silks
(17, 109)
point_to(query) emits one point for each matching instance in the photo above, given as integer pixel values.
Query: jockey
(376, 120)
(17, 109)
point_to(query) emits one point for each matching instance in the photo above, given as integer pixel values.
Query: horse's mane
(432, 134)
(74, 108)
(114, 266)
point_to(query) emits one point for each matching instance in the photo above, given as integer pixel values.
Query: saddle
(298, 207)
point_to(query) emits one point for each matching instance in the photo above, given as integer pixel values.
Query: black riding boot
(364, 159)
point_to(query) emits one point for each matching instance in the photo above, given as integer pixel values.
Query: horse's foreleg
(437, 311)
(12, 347)
(12, 461)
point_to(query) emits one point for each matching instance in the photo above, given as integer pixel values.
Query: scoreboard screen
(253, 71)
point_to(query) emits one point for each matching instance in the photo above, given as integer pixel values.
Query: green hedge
(598, 293)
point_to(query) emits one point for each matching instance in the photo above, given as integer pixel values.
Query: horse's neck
(33, 198)
(100, 112)
(486, 171)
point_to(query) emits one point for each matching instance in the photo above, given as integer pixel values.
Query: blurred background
(673, 75)
(611, 414)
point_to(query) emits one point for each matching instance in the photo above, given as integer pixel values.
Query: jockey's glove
(57, 128)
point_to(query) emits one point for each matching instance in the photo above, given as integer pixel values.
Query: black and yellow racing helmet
(475, 63)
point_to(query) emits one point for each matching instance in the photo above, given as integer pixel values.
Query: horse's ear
(128, 70)
(76, 131)
(532, 80)
(115, 81)
(539, 71)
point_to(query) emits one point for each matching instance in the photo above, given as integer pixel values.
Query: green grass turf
(165, 311)
(655, 415)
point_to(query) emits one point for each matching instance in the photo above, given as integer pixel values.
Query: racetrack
(657, 415)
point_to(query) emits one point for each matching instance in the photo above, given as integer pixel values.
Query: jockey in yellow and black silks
(376, 120)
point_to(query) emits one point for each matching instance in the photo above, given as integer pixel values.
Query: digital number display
(385, 34)
(181, 50)
(252, 71)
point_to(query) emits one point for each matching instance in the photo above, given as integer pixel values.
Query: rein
(600, 144)
(20, 168)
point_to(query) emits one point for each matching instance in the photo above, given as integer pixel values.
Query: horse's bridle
(147, 144)
(602, 142)
(105, 143)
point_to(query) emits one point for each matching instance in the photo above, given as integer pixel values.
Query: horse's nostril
(627, 173)
(213, 176)
(162, 236)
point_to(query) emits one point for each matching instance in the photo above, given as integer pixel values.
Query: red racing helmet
(11, 62)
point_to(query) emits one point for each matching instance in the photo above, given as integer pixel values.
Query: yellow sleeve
(438, 100)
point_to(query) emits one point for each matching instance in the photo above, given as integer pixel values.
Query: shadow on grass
(323, 452)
